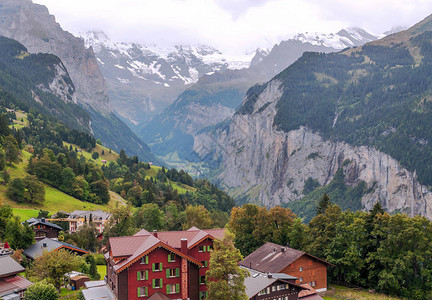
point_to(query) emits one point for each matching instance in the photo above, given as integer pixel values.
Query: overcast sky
(230, 25)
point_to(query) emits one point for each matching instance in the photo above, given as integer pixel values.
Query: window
(173, 288)
(202, 279)
(204, 263)
(203, 295)
(301, 279)
(281, 287)
(142, 291)
(313, 283)
(210, 248)
(157, 283)
(301, 269)
(144, 260)
(157, 267)
(201, 248)
(172, 273)
(142, 275)
(171, 257)
(274, 288)
(263, 292)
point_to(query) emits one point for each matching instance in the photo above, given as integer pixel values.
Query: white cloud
(230, 25)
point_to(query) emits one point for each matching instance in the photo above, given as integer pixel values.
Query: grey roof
(37, 249)
(92, 284)
(97, 215)
(9, 266)
(283, 276)
(98, 293)
(256, 282)
(34, 221)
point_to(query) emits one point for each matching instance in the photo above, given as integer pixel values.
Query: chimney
(155, 233)
(44, 245)
(43, 220)
(183, 244)
(283, 249)
(250, 265)
(269, 275)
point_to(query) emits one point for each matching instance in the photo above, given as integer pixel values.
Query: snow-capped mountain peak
(349, 37)
(176, 65)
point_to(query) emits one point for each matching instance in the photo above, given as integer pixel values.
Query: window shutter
(168, 289)
(205, 264)
(146, 275)
(145, 291)
(160, 266)
(178, 272)
(154, 283)
(161, 283)
(204, 248)
(169, 257)
(153, 267)
(168, 273)
(177, 288)
(138, 275)
(146, 259)
(139, 292)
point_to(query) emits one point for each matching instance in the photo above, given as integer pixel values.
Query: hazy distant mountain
(215, 97)
(144, 78)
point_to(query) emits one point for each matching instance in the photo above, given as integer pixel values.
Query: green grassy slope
(55, 199)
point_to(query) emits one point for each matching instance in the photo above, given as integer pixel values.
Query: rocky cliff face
(33, 26)
(270, 166)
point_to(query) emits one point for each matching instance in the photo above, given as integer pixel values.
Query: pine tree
(323, 204)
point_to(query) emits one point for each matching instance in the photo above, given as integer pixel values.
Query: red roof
(8, 285)
(129, 249)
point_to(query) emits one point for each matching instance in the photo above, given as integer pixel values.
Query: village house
(43, 228)
(261, 285)
(78, 218)
(12, 286)
(273, 258)
(169, 263)
(48, 245)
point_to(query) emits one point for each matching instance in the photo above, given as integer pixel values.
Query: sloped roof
(37, 249)
(273, 258)
(130, 248)
(98, 293)
(257, 281)
(309, 293)
(126, 245)
(34, 221)
(9, 266)
(96, 214)
(193, 235)
(16, 283)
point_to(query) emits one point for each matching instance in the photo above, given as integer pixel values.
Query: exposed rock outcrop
(270, 166)
(33, 26)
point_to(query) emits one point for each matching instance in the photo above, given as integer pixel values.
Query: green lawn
(107, 156)
(101, 270)
(337, 292)
(25, 213)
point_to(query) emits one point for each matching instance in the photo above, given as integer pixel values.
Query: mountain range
(215, 97)
(33, 26)
(353, 124)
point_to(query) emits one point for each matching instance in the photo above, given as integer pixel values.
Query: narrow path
(117, 197)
